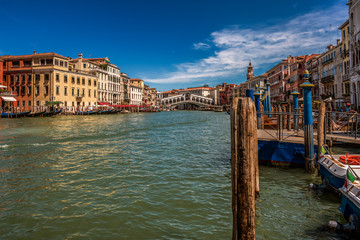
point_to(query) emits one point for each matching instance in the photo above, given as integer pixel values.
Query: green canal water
(147, 176)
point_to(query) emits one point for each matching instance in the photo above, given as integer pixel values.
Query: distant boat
(52, 113)
(85, 113)
(14, 115)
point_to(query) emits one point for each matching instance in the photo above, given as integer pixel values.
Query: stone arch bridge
(188, 98)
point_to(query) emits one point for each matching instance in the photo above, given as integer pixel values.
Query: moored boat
(37, 114)
(14, 115)
(350, 198)
(85, 112)
(333, 169)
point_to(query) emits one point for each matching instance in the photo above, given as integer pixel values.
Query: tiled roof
(50, 54)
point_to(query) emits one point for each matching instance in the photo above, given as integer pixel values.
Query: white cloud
(307, 34)
(201, 46)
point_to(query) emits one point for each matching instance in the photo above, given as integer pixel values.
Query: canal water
(142, 176)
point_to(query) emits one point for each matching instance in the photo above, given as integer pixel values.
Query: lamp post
(295, 95)
(257, 95)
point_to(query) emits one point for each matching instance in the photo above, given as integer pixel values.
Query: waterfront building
(46, 77)
(354, 36)
(125, 80)
(312, 66)
(225, 93)
(136, 91)
(150, 96)
(330, 75)
(239, 90)
(345, 65)
(215, 94)
(276, 76)
(110, 85)
(200, 91)
(17, 77)
(258, 81)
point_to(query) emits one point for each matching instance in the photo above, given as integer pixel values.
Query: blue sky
(173, 44)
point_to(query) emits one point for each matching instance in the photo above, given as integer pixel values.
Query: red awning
(103, 103)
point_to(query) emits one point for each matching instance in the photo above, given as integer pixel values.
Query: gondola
(37, 114)
(14, 115)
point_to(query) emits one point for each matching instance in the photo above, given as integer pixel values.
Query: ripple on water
(146, 176)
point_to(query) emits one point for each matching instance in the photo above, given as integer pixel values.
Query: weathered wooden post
(257, 106)
(244, 155)
(295, 95)
(320, 128)
(284, 116)
(308, 124)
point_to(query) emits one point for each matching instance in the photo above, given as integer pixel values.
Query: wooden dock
(298, 137)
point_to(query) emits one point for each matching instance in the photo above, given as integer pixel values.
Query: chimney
(338, 41)
(34, 52)
(80, 55)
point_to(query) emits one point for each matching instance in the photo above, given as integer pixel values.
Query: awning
(9, 99)
(2, 86)
(104, 103)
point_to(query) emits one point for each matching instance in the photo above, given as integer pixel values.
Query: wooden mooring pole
(244, 162)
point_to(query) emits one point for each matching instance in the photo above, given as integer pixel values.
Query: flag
(350, 176)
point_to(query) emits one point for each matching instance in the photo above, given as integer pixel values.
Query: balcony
(274, 83)
(4, 93)
(357, 69)
(344, 53)
(330, 60)
(327, 79)
(79, 97)
(345, 77)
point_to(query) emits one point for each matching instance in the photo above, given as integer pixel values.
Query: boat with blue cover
(86, 112)
(14, 115)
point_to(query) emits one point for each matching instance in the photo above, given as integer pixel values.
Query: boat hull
(348, 207)
(335, 182)
(283, 154)
(14, 115)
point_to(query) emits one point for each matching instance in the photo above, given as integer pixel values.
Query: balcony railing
(344, 53)
(345, 77)
(330, 60)
(327, 79)
(8, 93)
(357, 69)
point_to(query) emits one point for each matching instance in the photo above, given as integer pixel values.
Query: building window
(57, 77)
(72, 79)
(73, 91)
(83, 92)
(89, 93)
(61, 63)
(47, 77)
(29, 90)
(46, 89)
(37, 77)
(23, 103)
(84, 65)
(29, 103)
(78, 92)
(65, 78)
(38, 103)
(57, 90)
(23, 77)
(89, 82)
(65, 91)
(78, 80)
(17, 78)
(94, 93)
(37, 90)
(83, 81)
(56, 62)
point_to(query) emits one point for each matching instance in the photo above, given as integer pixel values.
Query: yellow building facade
(55, 80)
(345, 54)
